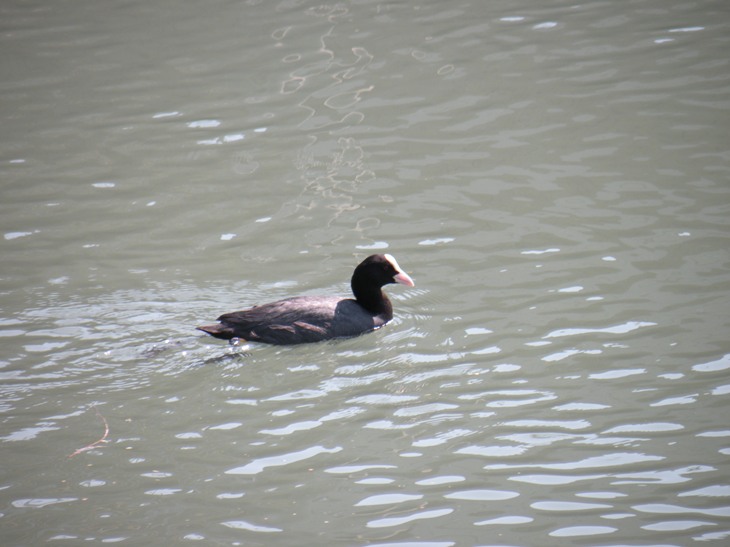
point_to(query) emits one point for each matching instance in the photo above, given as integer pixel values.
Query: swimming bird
(305, 319)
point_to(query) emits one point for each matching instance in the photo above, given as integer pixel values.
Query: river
(554, 176)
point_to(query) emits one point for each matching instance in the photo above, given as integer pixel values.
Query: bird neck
(373, 299)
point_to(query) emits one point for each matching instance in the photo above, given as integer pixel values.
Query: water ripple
(400, 521)
(560, 367)
(261, 464)
(612, 460)
(482, 495)
(245, 525)
(582, 531)
(615, 329)
(388, 499)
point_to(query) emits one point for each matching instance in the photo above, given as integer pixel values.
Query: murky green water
(554, 176)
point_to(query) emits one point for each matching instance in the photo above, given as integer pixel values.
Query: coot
(304, 319)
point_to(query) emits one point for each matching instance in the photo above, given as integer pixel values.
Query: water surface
(554, 177)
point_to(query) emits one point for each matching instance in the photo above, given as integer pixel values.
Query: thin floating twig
(96, 443)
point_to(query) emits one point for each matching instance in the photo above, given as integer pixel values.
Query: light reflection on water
(553, 177)
(283, 410)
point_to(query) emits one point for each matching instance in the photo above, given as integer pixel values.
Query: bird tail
(218, 330)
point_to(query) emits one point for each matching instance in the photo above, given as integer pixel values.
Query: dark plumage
(304, 319)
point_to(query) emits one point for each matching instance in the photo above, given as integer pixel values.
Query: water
(554, 177)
